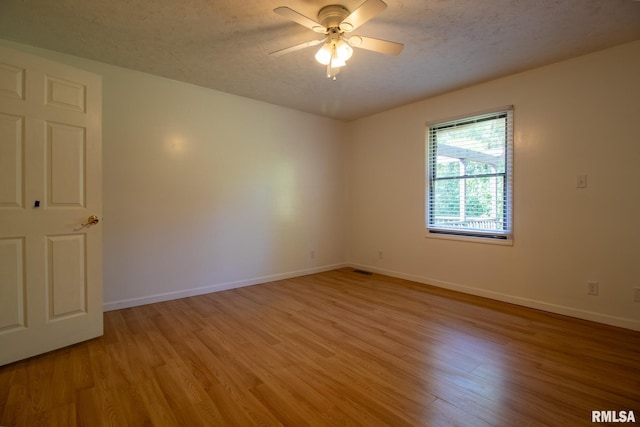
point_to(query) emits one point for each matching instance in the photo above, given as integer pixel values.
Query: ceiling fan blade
(297, 47)
(376, 45)
(362, 14)
(298, 18)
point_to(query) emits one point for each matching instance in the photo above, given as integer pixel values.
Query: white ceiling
(224, 44)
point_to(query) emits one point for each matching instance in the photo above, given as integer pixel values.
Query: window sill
(471, 239)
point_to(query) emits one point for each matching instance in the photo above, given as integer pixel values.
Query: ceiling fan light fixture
(336, 52)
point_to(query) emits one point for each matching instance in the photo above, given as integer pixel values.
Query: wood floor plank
(154, 404)
(63, 416)
(330, 349)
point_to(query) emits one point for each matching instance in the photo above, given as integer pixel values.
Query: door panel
(11, 155)
(66, 165)
(11, 81)
(50, 183)
(12, 308)
(64, 94)
(66, 278)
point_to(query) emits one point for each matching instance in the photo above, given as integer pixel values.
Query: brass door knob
(92, 220)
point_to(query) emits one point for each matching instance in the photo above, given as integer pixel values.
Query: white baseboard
(150, 299)
(525, 302)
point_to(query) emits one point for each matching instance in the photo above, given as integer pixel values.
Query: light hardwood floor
(330, 349)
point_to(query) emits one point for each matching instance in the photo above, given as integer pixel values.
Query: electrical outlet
(380, 255)
(592, 288)
(636, 294)
(312, 254)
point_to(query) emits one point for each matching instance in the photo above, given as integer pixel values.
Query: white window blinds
(469, 175)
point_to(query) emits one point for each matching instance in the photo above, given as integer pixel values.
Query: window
(469, 175)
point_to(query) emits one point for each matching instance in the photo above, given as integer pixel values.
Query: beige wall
(205, 190)
(574, 117)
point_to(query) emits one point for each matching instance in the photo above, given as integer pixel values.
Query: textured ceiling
(224, 44)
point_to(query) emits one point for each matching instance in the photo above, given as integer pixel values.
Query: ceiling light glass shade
(323, 55)
(337, 62)
(336, 52)
(343, 50)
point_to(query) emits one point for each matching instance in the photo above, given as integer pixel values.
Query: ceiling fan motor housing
(331, 16)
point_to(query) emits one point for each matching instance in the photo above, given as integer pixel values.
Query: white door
(50, 183)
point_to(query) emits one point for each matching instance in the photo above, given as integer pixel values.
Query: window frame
(497, 236)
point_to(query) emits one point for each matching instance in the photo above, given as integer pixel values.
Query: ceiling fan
(335, 21)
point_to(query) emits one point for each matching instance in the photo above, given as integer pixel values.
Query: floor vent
(366, 273)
